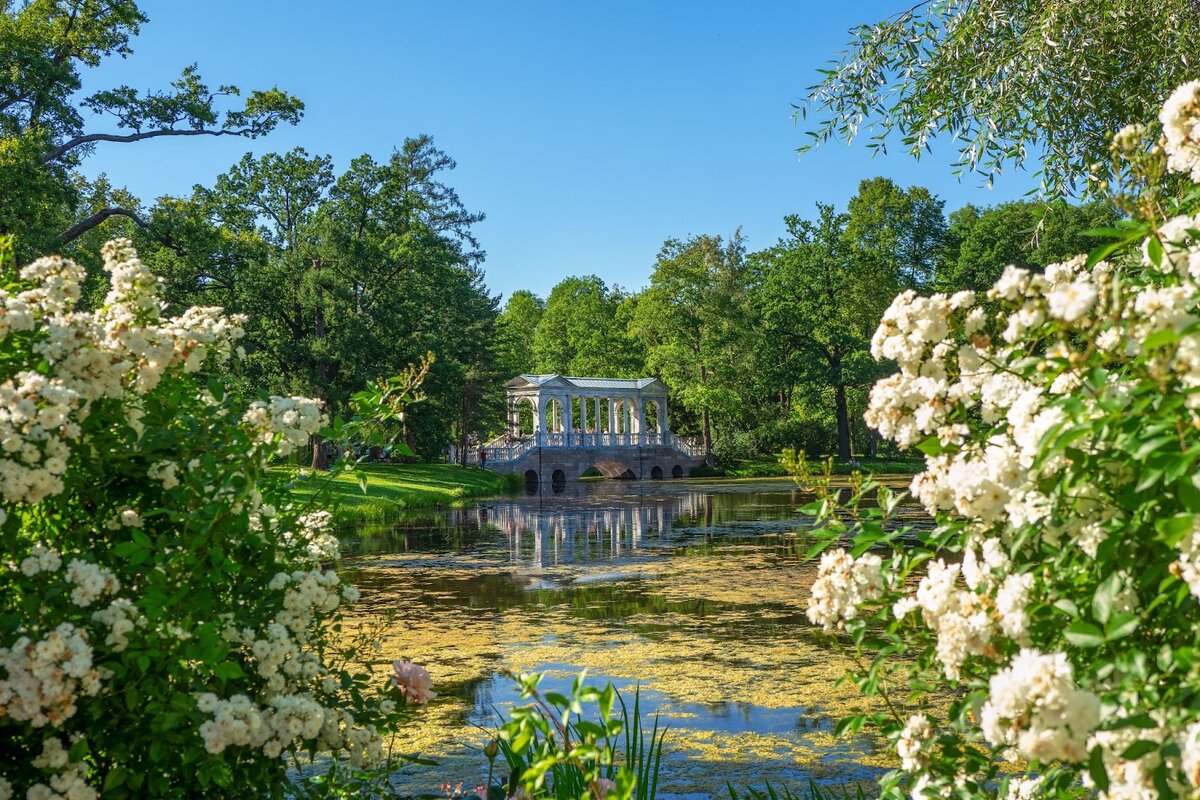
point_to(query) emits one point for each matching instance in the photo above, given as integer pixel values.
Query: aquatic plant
(550, 750)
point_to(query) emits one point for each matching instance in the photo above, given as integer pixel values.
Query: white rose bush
(1041, 639)
(168, 615)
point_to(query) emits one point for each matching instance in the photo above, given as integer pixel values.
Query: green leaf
(1160, 338)
(1096, 769)
(1084, 634)
(1121, 626)
(229, 670)
(1138, 749)
(1103, 599)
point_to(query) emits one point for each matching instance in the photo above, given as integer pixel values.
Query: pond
(694, 591)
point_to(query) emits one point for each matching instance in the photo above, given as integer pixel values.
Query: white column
(663, 420)
(641, 416)
(539, 420)
(567, 421)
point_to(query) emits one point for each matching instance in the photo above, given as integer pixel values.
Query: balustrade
(510, 449)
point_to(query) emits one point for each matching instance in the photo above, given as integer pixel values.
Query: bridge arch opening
(558, 480)
(615, 470)
(531, 481)
(677, 471)
(656, 473)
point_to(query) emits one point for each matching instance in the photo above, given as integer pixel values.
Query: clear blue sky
(588, 133)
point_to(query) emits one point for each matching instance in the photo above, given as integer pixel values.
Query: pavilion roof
(593, 384)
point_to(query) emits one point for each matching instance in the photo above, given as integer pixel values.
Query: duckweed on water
(703, 611)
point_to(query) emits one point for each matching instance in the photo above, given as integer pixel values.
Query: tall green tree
(579, 332)
(344, 279)
(45, 133)
(822, 289)
(1008, 80)
(516, 329)
(983, 241)
(694, 320)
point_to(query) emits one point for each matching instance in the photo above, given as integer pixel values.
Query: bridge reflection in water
(593, 528)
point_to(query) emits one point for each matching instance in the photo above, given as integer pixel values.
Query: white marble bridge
(559, 427)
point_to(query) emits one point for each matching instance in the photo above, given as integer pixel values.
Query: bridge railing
(511, 448)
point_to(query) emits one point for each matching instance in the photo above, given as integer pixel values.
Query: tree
(579, 333)
(983, 241)
(344, 279)
(44, 46)
(516, 330)
(1009, 80)
(824, 287)
(694, 322)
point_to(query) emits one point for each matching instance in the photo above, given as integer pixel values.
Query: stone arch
(531, 480)
(656, 473)
(677, 471)
(652, 414)
(558, 480)
(525, 416)
(615, 470)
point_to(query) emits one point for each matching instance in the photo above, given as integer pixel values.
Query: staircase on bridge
(559, 427)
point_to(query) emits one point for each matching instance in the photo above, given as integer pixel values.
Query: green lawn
(392, 488)
(766, 467)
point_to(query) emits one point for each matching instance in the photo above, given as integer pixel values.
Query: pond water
(694, 591)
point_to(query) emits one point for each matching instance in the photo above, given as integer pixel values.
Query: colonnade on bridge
(557, 411)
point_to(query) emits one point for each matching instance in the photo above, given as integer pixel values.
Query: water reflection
(695, 593)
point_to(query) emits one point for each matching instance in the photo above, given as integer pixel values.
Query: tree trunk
(708, 456)
(843, 424)
(874, 444)
(320, 458)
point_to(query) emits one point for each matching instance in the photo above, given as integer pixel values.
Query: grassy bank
(771, 468)
(394, 488)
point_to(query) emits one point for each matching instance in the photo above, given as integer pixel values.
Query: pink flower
(413, 681)
(603, 787)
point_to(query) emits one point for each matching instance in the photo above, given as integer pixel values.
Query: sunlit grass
(393, 488)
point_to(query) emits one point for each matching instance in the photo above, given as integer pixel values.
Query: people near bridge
(482, 456)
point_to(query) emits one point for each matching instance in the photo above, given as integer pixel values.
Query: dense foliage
(45, 46)
(1055, 601)
(771, 349)
(168, 615)
(343, 279)
(1008, 80)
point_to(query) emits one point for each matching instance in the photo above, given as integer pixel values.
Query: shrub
(167, 615)
(1055, 602)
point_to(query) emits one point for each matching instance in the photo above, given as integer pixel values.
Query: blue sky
(588, 133)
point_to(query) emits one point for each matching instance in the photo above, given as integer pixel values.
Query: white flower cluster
(44, 677)
(843, 584)
(912, 745)
(1191, 755)
(306, 593)
(313, 540)
(1128, 778)
(90, 581)
(1180, 118)
(120, 617)
(288, 421)
(123, 347)
(68, 780)
(281, 723)
(40, 559)
(1034, 706)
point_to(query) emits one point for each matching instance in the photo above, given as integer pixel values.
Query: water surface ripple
(693, 591)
